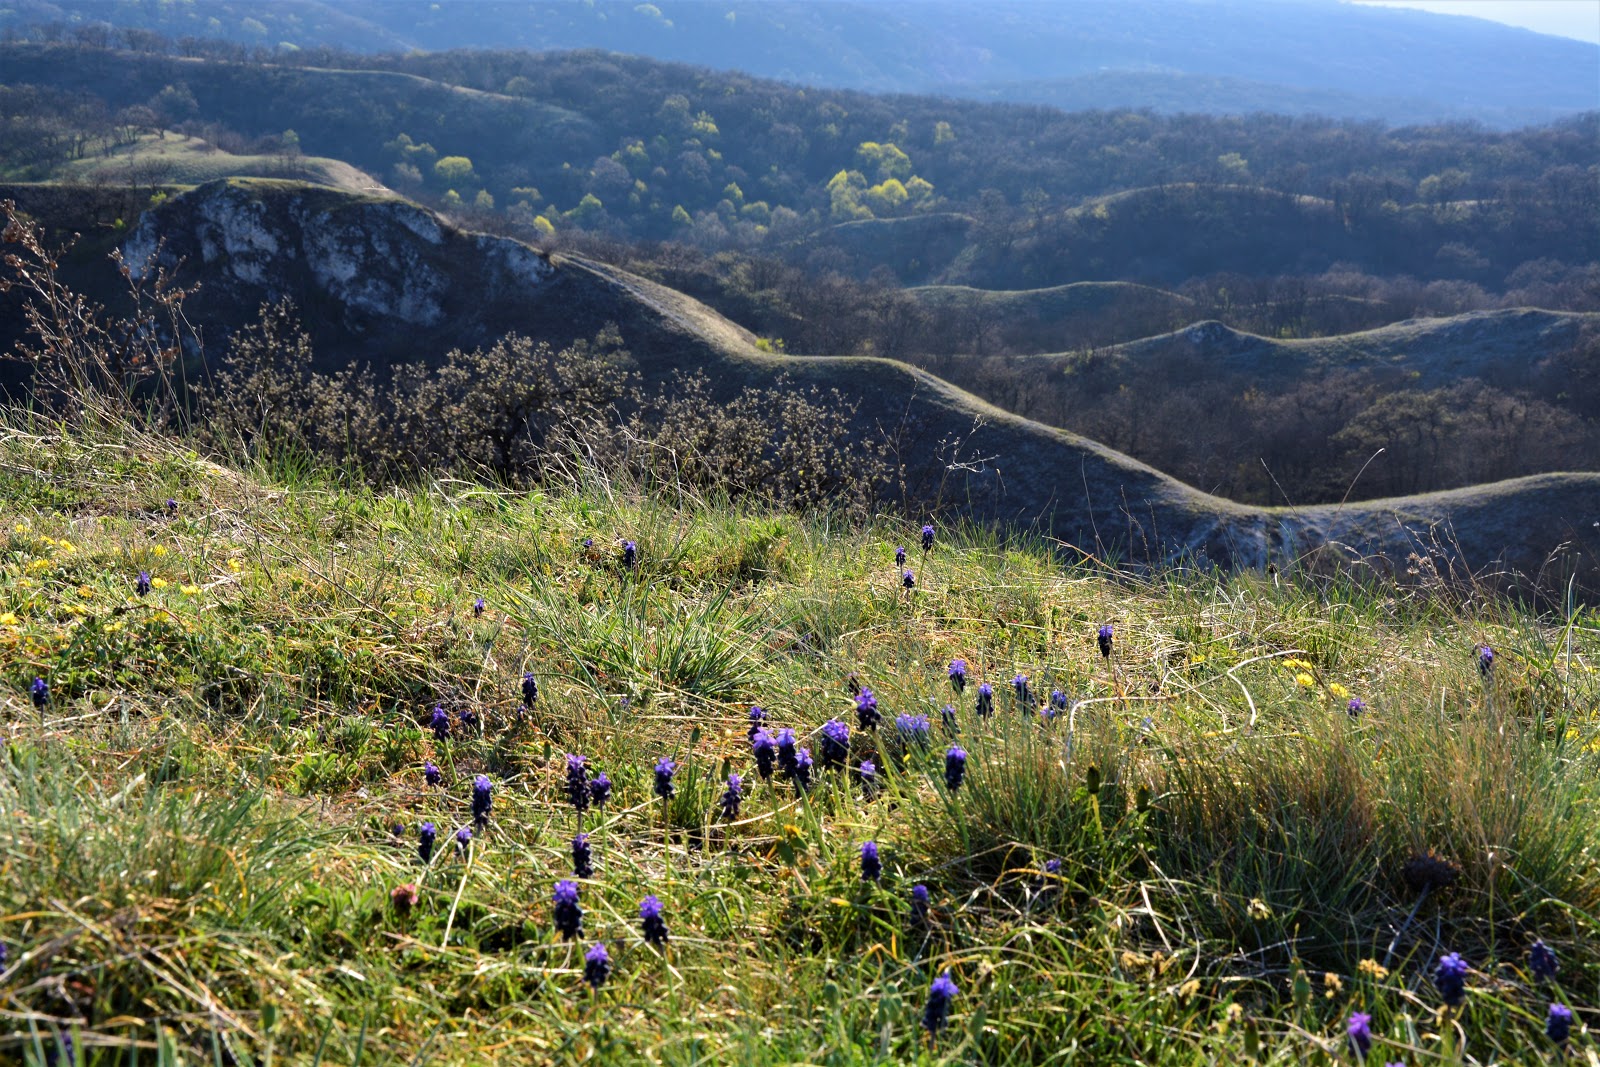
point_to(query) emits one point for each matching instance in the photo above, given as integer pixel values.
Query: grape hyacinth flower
(908, 580)
(1052, 867)
(1058, 700)
(426, 834)
(900, 556)
(578, 794)
(867, 710)
(758, 718)
(871, 866)
(567, 912)
(1542, 961)
(530, 689)
(1356, 707)
(172, 505)
(1558, 1024)
(630, 555)
(927, 540)
(481, 801)
(835, 748)
(581, 857)
(802, 770)
(1485, 660)
(955, 767)
(469, 719)
(596, 966)
(1105, 636)
(3, 953)
(732, 797)
(655, 930)
(1024, 694)
(40, 689)
(142, 584)
(985, 706)
(477, 608)
(913, 729)
(937, 1012)
(600, 790)
(1360, 1030)
(958, 675)
(947, 718)
(919, 905)
(869, 777)
(439, 722)
(463, 841)
(431, 773)
(786, 752)
(1451, 979)
(765, 751)
(664, 770)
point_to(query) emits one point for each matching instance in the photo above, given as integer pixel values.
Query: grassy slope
(180, 160)
(199, 820)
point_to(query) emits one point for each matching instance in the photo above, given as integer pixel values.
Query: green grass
(197, 850)
(174, 159)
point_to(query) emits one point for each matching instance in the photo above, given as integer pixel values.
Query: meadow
(1156, 817)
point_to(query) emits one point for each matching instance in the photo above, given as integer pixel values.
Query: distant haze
(1578, 19)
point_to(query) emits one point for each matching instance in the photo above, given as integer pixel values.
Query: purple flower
(431, 773)
(1360, 1030)
(955, 767)
(1058, 700)
(937, 1012)
(596, 966)
(41, 693)
(630, 554)
(1024, 694)
(426, 834)
(958, 674)
(142, 584)
(3, 954)
(919, 905)
(439, 722)
(927, 539)
(869, 777)
(463, 841)
(469, 719)
(1558, 1024)
(567, 913)
(588, 542)
(481, 801)
(786, 752)
(900, 556)
(985, 706)
(1450, 977)
(867, 710)
(732, 797)
(600, 790)
(913, 729)
(1052, 867)
(765, 750)
(577, 786)
(757, 719)
(802, 770)
(908, 580)
(947, 718)
(835, 743)
(871, 867)
(664, 770)
(530, 689)
(1542, 961)
(655, 930)
(581, 856)
(477, 607)
(1356, 707)
(1485, 660)
(172, 505)
(1105, 635)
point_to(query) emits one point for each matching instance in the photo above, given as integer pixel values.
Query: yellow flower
(233, 565)
(20, 528)
(1338, 691)
(113, 627)
(158, 583)
(37, 565)
(43, 540)
(1189, 989)
(1373, 969)
(66, 546)
(1333, 983)
(1259, 909)
(158, 551)
(191, 590)
(8, 619)
(1305, 680)
(1296, 664)
(85, 592)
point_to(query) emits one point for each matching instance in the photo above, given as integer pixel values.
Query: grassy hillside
(173, 159)
(1197, 854)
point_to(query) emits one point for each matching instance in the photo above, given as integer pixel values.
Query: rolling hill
(380, 279)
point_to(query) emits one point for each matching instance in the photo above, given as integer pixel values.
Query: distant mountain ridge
(1229, 56)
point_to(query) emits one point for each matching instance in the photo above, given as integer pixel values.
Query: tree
(454, 171)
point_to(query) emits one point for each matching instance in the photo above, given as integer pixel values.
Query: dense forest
(1003, 247)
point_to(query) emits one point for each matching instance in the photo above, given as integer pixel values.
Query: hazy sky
(1565, 18)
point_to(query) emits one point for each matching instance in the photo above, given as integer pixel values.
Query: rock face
(379, 280)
